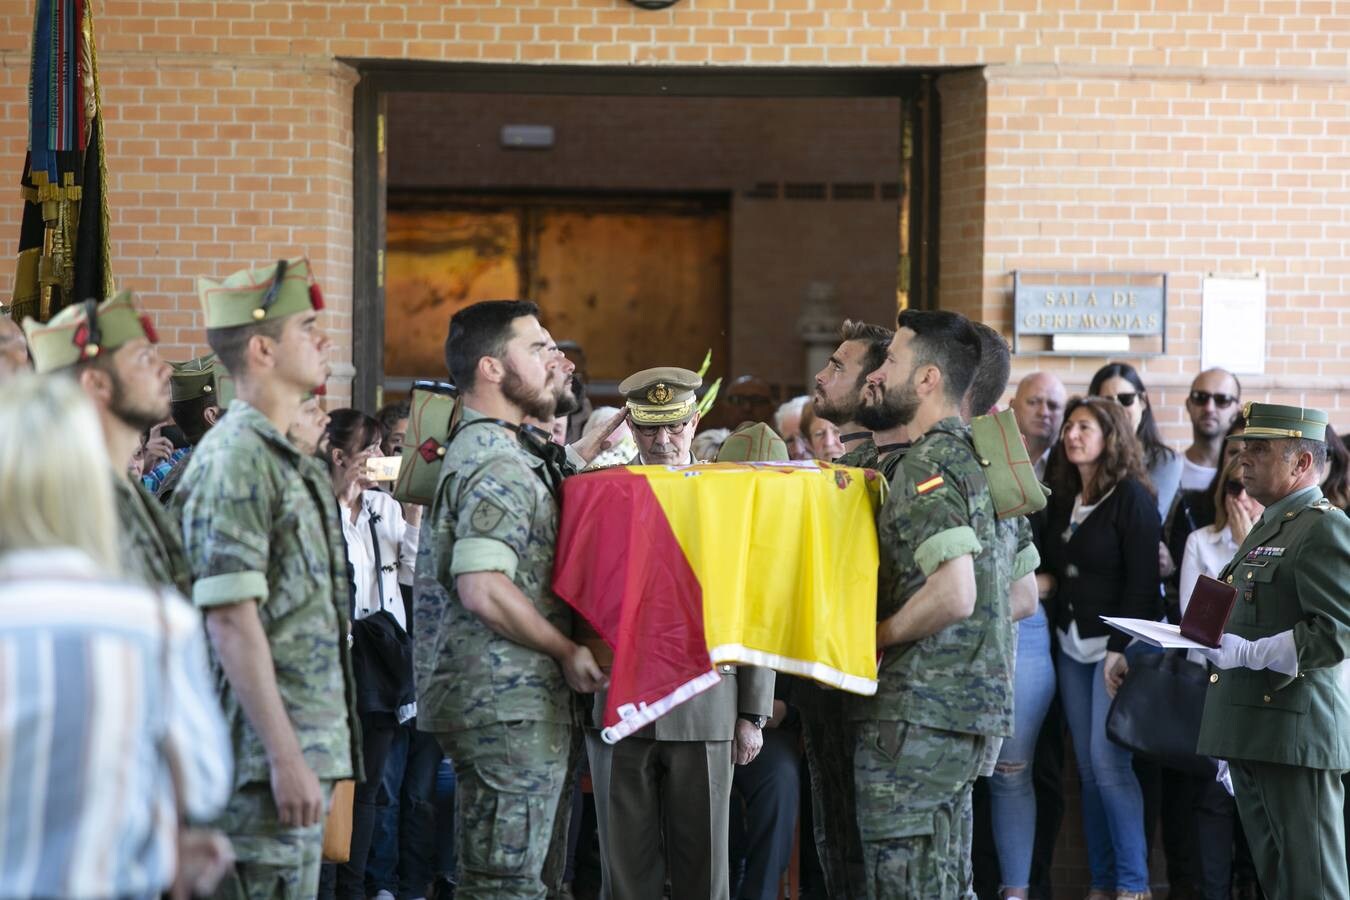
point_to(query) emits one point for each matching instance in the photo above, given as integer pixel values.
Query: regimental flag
(682, 568)
(63, 237)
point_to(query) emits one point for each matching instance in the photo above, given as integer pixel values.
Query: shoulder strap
(375, 548)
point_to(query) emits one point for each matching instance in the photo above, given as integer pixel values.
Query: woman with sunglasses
(1121, 383)
(1208, 550)
(1101, 555)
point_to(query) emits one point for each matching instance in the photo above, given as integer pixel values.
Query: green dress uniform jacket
(149, 540)
(1292, 572)
(260, 523)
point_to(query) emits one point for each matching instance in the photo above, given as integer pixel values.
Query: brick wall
(1195, 135)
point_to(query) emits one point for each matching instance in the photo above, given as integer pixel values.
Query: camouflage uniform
(930, 731)
(260, 523)
(502, 711)
(149, 540)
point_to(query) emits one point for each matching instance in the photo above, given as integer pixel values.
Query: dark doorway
(668, 213)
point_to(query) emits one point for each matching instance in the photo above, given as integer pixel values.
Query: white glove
(1224, 777)
(1276, 653)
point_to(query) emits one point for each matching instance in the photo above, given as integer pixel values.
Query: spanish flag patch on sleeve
(929, 485)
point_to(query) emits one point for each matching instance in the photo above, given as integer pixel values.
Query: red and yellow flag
(682, 568)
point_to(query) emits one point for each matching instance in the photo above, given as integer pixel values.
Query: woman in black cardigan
(1102, 554)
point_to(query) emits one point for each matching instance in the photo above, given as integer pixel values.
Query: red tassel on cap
(150, 333)
(315, 297)
(81, 338)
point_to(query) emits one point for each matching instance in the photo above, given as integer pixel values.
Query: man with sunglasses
(675, 774)
(1212, 404)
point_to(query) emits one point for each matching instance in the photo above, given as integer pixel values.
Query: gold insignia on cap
(660, 394)
(91, 349)
(1247, 410)
(260, 314)
(206, 389)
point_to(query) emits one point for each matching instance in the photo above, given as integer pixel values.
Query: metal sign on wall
(1089, 313)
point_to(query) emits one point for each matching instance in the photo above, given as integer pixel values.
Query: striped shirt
(87, 804)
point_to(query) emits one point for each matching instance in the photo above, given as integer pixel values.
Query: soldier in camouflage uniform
(262, 533)
(110, 349)
(493, 659)
(195, 389)
(945, 683)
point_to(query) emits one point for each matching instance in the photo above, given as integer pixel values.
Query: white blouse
(398, 554)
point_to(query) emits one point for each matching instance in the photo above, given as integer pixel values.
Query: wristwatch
(757, 721)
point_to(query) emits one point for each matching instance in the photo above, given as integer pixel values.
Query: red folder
(1207, 612)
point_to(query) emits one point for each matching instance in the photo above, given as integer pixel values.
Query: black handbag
(381, 652)
(1157, 711)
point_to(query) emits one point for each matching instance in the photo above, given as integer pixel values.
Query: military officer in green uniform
(663, 794)
(195, 405)
(110, 349)
(1278, 706)
(493, 656)
(265, 544)
(944, 698)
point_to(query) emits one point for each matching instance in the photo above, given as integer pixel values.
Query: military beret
(753, 442)
(661, 396)
(1269, 421)
(250, 296)
(195, 378)
(84, 330)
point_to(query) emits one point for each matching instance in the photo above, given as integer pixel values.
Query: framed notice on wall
(1233, 323)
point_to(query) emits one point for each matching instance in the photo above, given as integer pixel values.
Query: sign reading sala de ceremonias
(1082, 312)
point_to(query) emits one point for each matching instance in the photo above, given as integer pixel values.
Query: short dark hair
(480, 330)
(947, 340)
(389, 415)
(1318, 449)
(876, 337)
(231, 344)
(190, 416)
(993, 373)
(350, 431)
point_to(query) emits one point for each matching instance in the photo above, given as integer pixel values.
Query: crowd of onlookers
(1130, 526)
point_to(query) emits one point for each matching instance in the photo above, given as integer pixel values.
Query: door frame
(916, 87)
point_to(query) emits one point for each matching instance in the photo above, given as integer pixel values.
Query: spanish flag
(682, 568)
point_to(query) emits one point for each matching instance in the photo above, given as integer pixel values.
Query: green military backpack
(1007, 467)
(434, 411)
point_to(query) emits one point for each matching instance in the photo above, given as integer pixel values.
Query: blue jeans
(1113, 804)
(402, 854)
(1012, 800)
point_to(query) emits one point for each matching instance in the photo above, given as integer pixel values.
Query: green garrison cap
(753, 442)
(195, 378)
(83, 331)
(1268, 421)
(661, 396)
(250, 296)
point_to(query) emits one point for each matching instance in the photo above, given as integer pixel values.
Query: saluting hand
(582, 672)
(590, 446)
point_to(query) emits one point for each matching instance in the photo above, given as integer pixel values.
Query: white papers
(1159, 634)
(1233, 324)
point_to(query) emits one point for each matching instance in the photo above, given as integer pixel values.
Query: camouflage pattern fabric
(271, 862)
(149, 541)
(492, 512)
(827, 735)
(260, 523)
(863, 456)
(914, 813)
(939, 508)
(513, 805)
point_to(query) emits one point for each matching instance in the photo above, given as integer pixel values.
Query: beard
(539, 404)
(893, 409)
(567, 399)
(140, 416)
(838, 413)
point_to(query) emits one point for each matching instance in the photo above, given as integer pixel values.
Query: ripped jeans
(1012, 801)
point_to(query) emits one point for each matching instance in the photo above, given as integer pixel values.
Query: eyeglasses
(672, 429)
(1221, 401)
(1125, 398)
